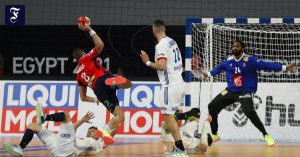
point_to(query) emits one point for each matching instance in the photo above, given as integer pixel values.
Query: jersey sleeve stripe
(162, 58)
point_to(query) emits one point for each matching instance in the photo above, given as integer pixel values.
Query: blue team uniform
(241, 75)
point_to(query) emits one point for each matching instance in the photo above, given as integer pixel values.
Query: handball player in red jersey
(91, 74)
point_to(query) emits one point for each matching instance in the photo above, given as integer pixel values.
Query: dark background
(122, 43)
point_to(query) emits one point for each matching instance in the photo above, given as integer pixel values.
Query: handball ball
(84, 20)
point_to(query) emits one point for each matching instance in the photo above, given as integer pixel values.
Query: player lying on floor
(65, 143)
(192, 140)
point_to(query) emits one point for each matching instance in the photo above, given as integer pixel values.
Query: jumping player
(91, 74)
(65, 142)
(241, 77)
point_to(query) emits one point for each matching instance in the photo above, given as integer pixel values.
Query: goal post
(277, 101)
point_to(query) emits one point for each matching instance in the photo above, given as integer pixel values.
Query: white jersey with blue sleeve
(168, 49)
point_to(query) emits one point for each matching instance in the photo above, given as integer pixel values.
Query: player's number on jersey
(177, 56)
(85, 77)
(237, 70)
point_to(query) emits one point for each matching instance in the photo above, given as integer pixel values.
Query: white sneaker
(40, 115)
(177, 153)
(15, 150)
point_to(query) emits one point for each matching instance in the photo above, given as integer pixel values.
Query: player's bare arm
(84, 97)
(85, 119)
(97, 40)
(159, 65)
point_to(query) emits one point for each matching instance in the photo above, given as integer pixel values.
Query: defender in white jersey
(63, 144)
(168, 63)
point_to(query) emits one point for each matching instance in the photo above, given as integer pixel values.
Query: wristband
(209, 74)
(283, 68)
(92, 32)
(148, 63)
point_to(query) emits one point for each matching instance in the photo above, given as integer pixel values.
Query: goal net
(277, 100)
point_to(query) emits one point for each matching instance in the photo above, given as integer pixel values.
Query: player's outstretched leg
(248, 109)
(172, 124)
(252, 115)
(17, 150)
(41, 116)
(108, 132)
(222, 100)
(32, 128)
(119, 81)
(189, 115)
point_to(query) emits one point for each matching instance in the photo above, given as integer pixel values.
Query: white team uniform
(65, 143)
(88, 145)
(173, 86)
(187, 132)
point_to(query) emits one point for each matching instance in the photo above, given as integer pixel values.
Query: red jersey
(89, 70)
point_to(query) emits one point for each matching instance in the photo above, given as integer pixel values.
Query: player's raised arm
(161, 64)
(264, 65)
(85, 119)
(99, 45)
(217, 70)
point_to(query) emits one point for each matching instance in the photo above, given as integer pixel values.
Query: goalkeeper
(241, 77)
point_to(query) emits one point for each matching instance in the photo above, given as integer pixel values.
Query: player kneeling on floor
(65, 142)
(193, 141)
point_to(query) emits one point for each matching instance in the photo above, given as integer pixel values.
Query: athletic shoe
(15, 150)
(177, 153)
(270, 141)
(40, 115)
(214, 138)
(104, 134)
(209, 139)
(119, 81)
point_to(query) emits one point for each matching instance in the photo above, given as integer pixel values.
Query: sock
(179, 145)
(27, 137)
(107, 127)
(56, 117)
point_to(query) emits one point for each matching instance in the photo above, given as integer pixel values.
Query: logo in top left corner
(14, 14)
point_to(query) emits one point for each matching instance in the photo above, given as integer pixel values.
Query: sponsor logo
(237, 80)
(62, 135)
(239, 119)
(287, 113)
(248, 95)
(20, 100)
(179, 67)
(246, 58)
(224, 92)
